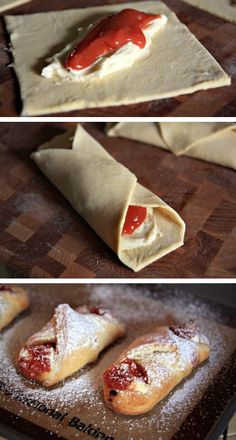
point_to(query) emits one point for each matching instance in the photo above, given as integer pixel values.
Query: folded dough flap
(97, 186)
(147, 132)
(171, 231)
(182, 137)
(159, 342)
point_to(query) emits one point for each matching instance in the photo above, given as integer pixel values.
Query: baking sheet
(80, 396)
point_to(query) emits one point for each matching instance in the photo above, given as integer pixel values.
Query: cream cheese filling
(121, 59)
(144, 235)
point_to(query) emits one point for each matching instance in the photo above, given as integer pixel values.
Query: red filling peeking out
(134, 218)
(95, 310)
(108, 35)
(37, 361)
(186, 331)
(119, 377)
(5, 288)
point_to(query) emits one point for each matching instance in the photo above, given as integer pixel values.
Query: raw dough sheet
(81, 394)
(222, 8)
(178, 64)
(8, 4)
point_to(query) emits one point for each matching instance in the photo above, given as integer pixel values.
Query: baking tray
(217, 35)
(198, 408)
(42, 236)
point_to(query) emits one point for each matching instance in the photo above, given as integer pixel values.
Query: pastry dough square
(177, 64)
(8, 4)
(222, 8)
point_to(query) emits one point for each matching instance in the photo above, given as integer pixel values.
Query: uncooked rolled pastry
(69, 341)
(13, 301)
(8, 4)
(152, 366)
(101, 190)
(222, 8)
(211, 141)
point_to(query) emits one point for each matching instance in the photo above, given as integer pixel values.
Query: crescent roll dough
(152, 366)
(13, 301)
(8, 4)
(211, 141)
(69, 341)
(101, 190)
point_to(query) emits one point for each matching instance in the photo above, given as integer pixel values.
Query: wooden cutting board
(217, 35)
(42, 236)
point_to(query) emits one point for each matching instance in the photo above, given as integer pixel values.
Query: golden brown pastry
(152, 366)
(69, 341)
(13, 301)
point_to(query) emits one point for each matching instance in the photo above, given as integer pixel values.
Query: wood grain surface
(42, 236)
(218, 36)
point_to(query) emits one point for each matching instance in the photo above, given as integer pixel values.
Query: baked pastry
(169, 70)
(69, 341)
(136, 224)
(211, 141)
(13, 301)
(152, 366)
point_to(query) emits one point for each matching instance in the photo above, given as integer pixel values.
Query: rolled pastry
(211, 141)
(152, 366)
(106, 194)
(13, 301)
(69, 341)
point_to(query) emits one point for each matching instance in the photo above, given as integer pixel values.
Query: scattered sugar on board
(141, 314)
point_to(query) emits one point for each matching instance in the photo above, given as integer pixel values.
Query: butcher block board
(217, 35)
(42, 236)
(80, 396)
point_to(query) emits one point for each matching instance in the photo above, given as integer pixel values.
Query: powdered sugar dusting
(82, 393)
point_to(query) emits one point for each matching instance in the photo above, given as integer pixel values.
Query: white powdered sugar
(82, 392)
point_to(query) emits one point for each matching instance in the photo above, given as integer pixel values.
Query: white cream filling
(121, 59)
(144, 235)
(139, 386)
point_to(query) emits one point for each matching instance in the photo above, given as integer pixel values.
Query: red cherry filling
(108, 35)
(36, 362)
(120, 376)
(186, 331)
(134, 218)
(5, 288)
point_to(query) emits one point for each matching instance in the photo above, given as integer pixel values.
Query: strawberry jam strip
(119, 377)
(134, 218)
(109, 35)
(37, 362)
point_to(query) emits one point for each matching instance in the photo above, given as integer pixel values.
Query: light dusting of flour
(82, 393)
